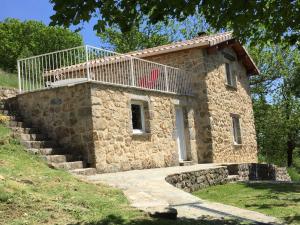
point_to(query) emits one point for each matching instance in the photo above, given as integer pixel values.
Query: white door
(180, 134)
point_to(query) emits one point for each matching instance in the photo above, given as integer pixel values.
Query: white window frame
(236, 131)
(231, 75)
(138, 131)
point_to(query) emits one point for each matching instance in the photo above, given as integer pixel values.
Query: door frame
(180, 134)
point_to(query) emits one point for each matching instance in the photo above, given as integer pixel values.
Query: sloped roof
(211, 42)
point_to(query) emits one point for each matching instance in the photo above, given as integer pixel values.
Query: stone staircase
(37, 142)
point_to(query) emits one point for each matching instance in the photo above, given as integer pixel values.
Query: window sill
(141, 134)
(228, 86)
(237, 145)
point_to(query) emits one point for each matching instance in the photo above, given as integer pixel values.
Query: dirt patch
(3, 163)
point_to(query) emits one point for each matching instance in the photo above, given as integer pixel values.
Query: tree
(134, 39)
(146, 35)
(276, 105)
(279, 20)
(22, 39)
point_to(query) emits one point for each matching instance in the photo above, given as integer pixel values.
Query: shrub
(3, 119)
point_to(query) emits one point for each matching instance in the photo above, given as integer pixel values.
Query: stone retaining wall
(195, 180)
(94, 120)
(258, 171)
(64, 114)
(282, 174)
(6, 93)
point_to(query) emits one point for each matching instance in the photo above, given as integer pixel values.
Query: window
(236, 129)
(137, 117)
(229, 75)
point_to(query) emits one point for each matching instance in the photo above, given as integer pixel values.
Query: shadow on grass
(117, 220)
(292, 219)
(275, 187)
(292, 199)
(267, 206)
(287, 193)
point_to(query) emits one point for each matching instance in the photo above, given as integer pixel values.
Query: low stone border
(195, 180)
(258, 171)
(6, 92)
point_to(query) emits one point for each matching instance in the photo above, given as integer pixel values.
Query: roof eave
(172, 49)
(237, 46)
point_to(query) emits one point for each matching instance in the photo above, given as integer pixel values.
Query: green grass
(4, 132)
(278, 200)
(8, 79)
(294, 171)
(32, 193)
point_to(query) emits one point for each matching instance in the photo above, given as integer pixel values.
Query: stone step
(186, 163)
(31, 137)
(37, 144)
(4, 112)
(84, 171)
(34, 151)
(44, 151)
(15, 123)
(50, 151)
(58, 158)
(15, 118)
(26, 130)
(69, 165)
(232, 178)
(2, 106)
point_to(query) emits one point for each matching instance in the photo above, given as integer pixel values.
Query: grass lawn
(278, 200)
(32, 193)
(8, 79)
(294, 171)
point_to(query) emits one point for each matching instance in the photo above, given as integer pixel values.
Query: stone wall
(281, 174)
(224, 101)
(117, 148)
(64, 114)
(94, 120)
(216, 103)
(192, 61)
(195, 180)
(258, 171)
(6, 93)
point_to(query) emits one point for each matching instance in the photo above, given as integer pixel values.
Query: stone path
(148, 191)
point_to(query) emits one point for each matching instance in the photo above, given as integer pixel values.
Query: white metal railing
(87, 63)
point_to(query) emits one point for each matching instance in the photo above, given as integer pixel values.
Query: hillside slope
(32, 193)
(8, 79)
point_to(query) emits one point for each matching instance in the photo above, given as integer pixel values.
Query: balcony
(87, 63)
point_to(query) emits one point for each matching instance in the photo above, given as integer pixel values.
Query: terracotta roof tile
(204, 41)
(207, 40)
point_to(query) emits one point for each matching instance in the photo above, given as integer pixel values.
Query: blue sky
(41, 10)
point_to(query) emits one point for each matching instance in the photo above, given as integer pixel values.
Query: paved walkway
(148, 191)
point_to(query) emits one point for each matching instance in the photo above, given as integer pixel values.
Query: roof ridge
(204, 41)
(211, 38)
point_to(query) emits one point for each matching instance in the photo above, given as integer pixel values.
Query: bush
(4, 119)
(23, 39)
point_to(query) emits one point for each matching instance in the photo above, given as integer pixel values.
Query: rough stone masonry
(94, 120)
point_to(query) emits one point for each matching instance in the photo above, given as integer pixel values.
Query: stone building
(117, 127)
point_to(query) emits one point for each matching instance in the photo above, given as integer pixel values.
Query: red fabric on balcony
(149, 81)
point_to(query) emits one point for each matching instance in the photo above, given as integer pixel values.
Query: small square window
(236, 129)
(230, 78)
(137, 117)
